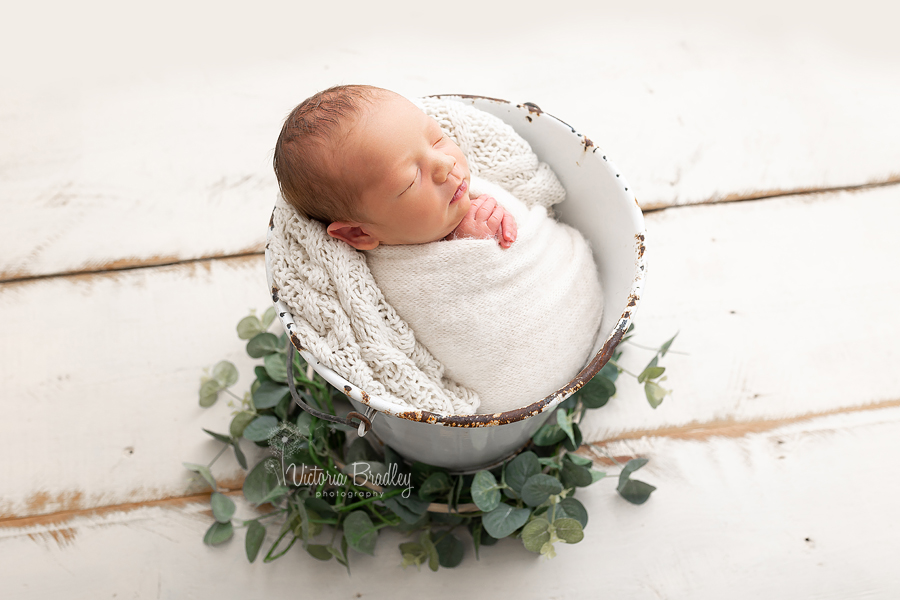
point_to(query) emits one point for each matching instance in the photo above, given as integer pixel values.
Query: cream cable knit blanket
(341, 315)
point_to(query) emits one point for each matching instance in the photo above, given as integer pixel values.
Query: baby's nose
(443, 166)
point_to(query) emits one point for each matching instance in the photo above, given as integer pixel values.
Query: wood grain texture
(782, 514)
(102, 381)
(138, 158)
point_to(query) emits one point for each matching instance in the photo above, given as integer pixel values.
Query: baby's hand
(487, 219)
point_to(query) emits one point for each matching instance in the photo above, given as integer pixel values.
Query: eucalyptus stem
(224, 448)
(621, 368)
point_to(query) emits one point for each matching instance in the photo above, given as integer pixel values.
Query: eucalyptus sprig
(332, 491)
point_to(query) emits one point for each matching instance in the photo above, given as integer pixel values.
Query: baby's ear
(353, 234)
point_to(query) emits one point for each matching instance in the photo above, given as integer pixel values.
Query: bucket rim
(599, 360)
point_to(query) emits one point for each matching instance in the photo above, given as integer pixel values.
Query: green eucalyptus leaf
(209, 392)
(579, 460)
(597, 475)
(539, 488)
(401, 511)
(318, 551)
(203, 470)
(636, 492)
(413, 554)
(485, 493)
(239, 454)
(341, 555)
(414, 503)
(650, 366)
(504, 520)
(276, 367)
(548, 435)
(519, 469)
(573, 445)
(572, 509)
(256, 535)
(320, 506)
(655, 393)
(248, 327)
(360, 532)
(597, 392)
(225, 373)
(610, 371)
(261, 480)
(304, 420)
(261, 374)
(274, 494)
(281, 409)
(573, 475)
(665, 347)
(261, 428)
(268, 317)
(218, 533)
(262, 344)
(219, 436)
(568, 530)
(222, 507)
(535, 534)
(430, 550)
(562, 419)
(435, 485)
(630, 467)
(239, 423)
(450, 550)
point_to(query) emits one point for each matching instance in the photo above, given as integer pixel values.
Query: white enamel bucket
(601, 205)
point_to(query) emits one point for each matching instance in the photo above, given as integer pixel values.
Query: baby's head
(373, 167)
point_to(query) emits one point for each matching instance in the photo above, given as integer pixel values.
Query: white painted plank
(101, 375)
(792, 513)
(157, 152)
(786, 307)
(95, 365)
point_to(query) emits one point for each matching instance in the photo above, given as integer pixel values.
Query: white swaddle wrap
(512, 325)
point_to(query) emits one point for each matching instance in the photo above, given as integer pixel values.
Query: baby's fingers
(496, 218)
(486, 209)
(510, 230)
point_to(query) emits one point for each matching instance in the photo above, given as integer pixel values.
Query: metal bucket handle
(365, 421)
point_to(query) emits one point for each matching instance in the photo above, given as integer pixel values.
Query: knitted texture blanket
(512, 325)
(341, 315)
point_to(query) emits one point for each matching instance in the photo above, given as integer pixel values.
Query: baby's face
(412, 180)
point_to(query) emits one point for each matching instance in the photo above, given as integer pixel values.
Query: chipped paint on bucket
(601, 205)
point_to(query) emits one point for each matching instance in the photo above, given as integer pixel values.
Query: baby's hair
(306, 140)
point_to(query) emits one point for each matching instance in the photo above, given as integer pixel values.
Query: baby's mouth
(459, 191)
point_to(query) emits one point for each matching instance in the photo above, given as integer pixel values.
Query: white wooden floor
(135, 186)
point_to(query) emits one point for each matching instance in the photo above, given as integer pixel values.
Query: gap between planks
(130, 264)
(694, 431)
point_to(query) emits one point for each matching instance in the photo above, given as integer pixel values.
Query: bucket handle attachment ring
(365, 421)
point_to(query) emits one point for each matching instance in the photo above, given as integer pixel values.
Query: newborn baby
(512, 316)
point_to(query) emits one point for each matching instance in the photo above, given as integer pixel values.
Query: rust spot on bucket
(471, 97)
(528, 118)
(365, 396)
(587, 143)
(532, 108)
(296, 342)
(274, 294)
(640, 240)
